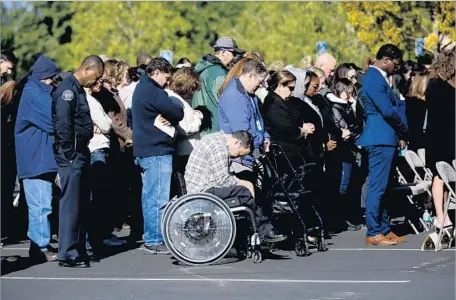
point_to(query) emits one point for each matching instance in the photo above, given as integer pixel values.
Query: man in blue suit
(385, 126)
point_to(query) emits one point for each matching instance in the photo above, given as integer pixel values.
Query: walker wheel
(301, 248)
(321, 243)
(257, 257)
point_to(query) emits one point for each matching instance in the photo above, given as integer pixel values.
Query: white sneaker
(114, 242)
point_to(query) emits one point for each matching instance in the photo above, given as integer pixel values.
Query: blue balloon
(322, 47)
(419, 46)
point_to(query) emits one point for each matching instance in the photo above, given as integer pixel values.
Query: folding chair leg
(410, 199)
(424, 224)
(413, 226)
(443, 230)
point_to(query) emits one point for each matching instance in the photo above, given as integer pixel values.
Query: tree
(123, 29)
(443, 25)
(33, 28)
(400, 23)
(288, 31)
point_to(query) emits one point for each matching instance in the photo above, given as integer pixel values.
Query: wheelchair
(290, 197)
(200, 229)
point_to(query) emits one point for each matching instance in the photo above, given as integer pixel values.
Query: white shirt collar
(381, 72)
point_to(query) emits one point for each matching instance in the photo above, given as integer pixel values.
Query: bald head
(327, 63)
(93, 62)
(143, 59)
(90, 70)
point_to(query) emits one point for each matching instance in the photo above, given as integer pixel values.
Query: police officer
(73, 130)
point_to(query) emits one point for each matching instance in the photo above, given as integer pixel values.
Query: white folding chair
(416, 163)
(448, 175)
(422, 155)
(423, 182)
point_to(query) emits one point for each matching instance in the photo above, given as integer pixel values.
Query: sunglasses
(291, 87)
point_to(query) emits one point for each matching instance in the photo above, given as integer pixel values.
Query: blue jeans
(346, 177)
(38, 194)
(156, 175)
(380, 160)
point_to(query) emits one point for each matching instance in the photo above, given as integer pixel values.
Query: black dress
(416, 113)
(440, 131)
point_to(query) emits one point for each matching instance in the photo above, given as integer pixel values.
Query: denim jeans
(156, 175)
(346, 177)
(38, 194)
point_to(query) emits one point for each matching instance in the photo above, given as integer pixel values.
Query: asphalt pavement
(348, 270)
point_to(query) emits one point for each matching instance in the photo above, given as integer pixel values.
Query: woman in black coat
(440, 131)
(281, 118)
(347, 115)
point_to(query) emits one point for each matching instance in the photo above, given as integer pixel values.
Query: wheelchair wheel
(166, 210)
(199, 229)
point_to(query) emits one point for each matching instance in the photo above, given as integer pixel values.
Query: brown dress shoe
(393, 237)
(379, 240)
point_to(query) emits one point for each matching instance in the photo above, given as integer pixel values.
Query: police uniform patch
(68, 95)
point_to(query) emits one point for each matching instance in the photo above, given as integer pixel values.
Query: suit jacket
(385, 114)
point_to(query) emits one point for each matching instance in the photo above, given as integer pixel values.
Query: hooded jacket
(34, 132)
(212, 73)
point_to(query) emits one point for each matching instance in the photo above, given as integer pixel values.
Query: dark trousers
(245, 199)
(178, 187)
(74, 199)
(8, 171)
(380, 160)
(99, 199)
(130, 186)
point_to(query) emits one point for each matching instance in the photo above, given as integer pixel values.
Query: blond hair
(6, 92)
(306, 62)
(320, 73)
(254, 55)
(418, 86)
(276, 66)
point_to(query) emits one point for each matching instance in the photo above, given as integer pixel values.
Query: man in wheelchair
(208, 171)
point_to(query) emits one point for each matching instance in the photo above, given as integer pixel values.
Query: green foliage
(400, 23)
(286, 31)
(33, 29)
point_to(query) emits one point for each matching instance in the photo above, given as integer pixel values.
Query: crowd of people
(120, 141)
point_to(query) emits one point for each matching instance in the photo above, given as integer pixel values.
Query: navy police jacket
(73, 126)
